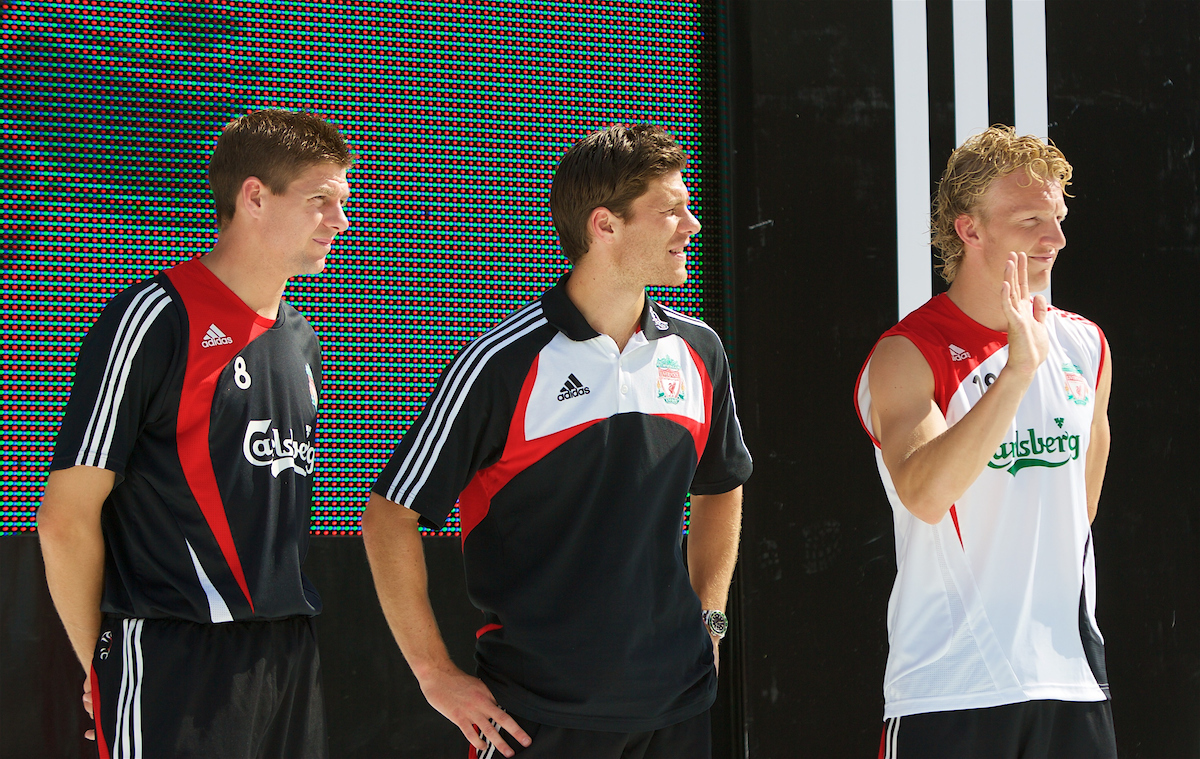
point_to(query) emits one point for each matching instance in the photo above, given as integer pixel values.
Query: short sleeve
(726, 462)
(462, 429)
(122, 366)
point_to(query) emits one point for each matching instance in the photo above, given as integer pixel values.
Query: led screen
(458, 112)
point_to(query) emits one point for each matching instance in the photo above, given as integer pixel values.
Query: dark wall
(1125, 107)
(812, 165)
(813, 232)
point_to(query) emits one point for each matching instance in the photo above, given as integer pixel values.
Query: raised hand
(467, 702)
(1028, 342)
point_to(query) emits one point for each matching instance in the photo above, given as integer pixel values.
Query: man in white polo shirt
(988, 410)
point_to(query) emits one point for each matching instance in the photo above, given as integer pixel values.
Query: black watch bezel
(716, 622)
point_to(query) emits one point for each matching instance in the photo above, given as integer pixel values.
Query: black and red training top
(571, 461)
(206, 413)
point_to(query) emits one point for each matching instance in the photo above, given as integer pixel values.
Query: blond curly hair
(972, 168)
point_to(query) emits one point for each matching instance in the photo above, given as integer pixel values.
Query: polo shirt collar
(565, 317)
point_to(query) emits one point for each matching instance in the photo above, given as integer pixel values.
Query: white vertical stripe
(911, 72)
(414, 488)
(443, 409)
(133, 328)
(1029, 67)
(1029, 73)
(115, 354)
(121, 739)
(218, 610)
(123, 377)
(970, 69)
(137, 690)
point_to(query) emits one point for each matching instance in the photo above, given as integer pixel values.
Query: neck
(610, 306)
(233, 262)
(979, 298)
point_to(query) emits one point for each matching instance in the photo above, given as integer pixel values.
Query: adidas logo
(662, 325)
(572, 388)
(214, 336)
(958, 354)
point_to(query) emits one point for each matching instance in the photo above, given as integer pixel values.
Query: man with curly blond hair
(988, 410)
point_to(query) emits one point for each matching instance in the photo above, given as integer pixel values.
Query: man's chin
(674, 279)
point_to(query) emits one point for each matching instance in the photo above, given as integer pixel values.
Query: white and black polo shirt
(206, 412)
(571, 462)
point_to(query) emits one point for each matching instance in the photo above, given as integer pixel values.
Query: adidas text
(214, 336)
(572, 388)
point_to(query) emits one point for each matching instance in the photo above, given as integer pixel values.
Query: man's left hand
(716, 653)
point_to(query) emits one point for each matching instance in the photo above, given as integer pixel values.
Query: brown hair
(609, 168)
(275, 146)
(972, 168)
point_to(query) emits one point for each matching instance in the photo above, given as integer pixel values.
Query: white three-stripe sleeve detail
(685, 318)
(126, 366)
(422, 472)
(218, 610)
(444, 407)
(135, 323)
(131, 312)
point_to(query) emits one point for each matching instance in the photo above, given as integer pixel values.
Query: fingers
(491, 730)
(468, 703)
(507, 722)
(1023, 276)
(1009, 289)
(492, 735)
(1039, 308)
(87, 707)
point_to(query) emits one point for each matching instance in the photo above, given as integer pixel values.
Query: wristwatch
(716, 622)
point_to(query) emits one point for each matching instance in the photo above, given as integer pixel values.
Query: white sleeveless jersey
(995, 604)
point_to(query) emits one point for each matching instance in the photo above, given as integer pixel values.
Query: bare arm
(1097, 453)
(397, 559)
(932, 465)
(713, 534)
(73, 551)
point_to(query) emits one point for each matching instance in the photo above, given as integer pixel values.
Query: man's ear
(969, 230)
(250, 197)
(603, 224)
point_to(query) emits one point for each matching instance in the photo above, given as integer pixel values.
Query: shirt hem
(604, 724)
(989, 699)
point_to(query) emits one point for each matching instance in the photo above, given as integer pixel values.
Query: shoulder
(295, 320)
(1075, 327)
(695, 331)
(503, 352)
(897, 357)
(144, 308)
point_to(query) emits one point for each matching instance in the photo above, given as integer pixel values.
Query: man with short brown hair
(988, 410)
(570, 436)
(176, 514)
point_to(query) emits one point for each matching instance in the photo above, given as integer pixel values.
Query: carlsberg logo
(263, 445)
(1031, 450)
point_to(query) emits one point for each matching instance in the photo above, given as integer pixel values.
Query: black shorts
(1078, 729)
(690, 739)
(166, 687)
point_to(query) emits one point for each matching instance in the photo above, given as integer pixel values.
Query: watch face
(718, 623)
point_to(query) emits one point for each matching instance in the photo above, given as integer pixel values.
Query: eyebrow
(327, 188)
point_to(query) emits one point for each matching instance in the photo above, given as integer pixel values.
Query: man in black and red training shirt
(570, 435)
(176, 514)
